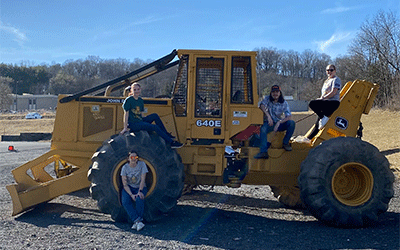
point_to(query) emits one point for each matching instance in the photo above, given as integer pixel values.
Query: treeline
(70, 77)
(74, 76)
(374, 55)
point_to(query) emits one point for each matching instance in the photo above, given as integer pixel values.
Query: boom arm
(148, 70)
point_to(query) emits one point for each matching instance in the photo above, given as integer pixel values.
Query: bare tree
(5, 92)
(377, 51)
(63, 83)
(268, 60)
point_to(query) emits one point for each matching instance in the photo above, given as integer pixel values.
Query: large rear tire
(346, 182)
(164, 180)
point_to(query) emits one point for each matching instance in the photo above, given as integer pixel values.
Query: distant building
(33, 102)
(288, 97)
(296, 105)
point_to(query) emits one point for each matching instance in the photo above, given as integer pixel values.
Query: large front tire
(346, 182)
(164, 180)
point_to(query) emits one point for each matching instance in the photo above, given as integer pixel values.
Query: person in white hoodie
(329, 100)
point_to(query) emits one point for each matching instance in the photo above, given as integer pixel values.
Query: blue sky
(53, 31)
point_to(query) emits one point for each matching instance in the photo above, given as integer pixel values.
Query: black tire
(164, 181)
(346, 182)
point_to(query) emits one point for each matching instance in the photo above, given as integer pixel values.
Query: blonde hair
(136, 83)
(329, 66)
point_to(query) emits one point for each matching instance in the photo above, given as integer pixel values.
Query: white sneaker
(322, 122)
(140, 226)
(302, 139)
(134, 226)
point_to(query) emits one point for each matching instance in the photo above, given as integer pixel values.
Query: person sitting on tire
(133, 175)
(273, 107)
(133, 107)
(328, 102)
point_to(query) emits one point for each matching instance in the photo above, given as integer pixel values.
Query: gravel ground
(223, 218)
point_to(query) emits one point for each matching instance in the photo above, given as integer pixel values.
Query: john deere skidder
(341, 179)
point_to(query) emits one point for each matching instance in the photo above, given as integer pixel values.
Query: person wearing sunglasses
(329, 101)
(133, 175)
(135, 121)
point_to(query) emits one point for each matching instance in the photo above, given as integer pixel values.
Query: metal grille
(241, 91)
(209, 82)
(180, 89)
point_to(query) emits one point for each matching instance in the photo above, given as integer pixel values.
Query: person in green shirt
(134, 121)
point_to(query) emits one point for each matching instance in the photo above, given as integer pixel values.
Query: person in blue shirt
(133, 175)
(277, 117)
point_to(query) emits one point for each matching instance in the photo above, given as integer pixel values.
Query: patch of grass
(14, 124)
(381, 128)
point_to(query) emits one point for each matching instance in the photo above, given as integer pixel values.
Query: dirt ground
(249, 217)
(382, 129)
(14, 124)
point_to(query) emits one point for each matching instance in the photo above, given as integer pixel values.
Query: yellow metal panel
(241, 116)
(371, 98)
(334, 132)
(203, 160)
(96, 119)
(66, 122)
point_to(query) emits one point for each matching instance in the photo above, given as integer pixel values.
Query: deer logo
(341, 123)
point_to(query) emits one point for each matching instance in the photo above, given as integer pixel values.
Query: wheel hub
(352, 184)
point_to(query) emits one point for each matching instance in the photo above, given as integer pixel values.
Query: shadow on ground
(249, 224)
(390, 151)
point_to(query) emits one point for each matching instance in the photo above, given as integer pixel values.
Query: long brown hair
(280, 99)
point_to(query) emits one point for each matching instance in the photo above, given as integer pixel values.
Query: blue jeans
(146, 124)
(289, 126)
(135, 209)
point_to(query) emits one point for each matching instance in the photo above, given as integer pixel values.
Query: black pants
(322, 108)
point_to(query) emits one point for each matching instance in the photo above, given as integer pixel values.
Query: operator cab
(214, 95)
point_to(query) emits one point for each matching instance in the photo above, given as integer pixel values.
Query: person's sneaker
(140, 226)
(134, 226)
(176, 144)
(261, 155)
(287, 147)
(322, 122)
(302, 139)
